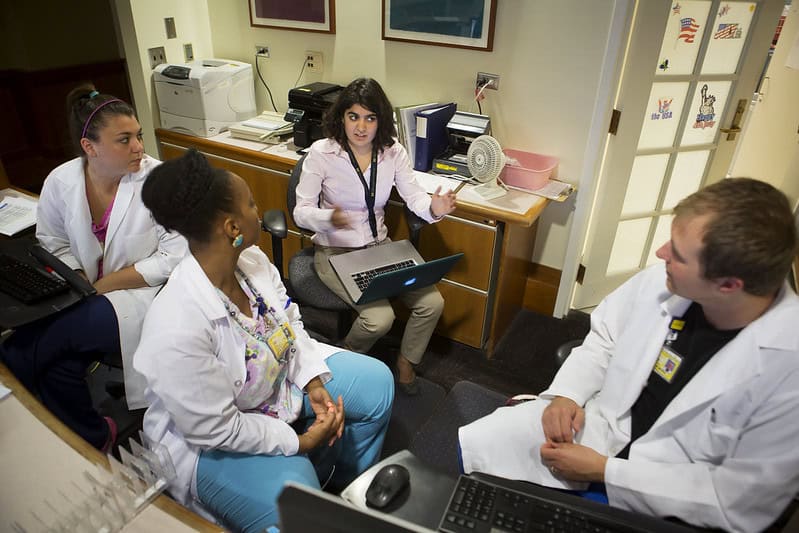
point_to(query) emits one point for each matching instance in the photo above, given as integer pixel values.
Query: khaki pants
(375, 318)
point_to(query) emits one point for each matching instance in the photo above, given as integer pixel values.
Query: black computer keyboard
(363, 279)
(26, 283)
(477, 506)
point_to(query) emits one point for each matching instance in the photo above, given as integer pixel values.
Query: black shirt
(687, 348)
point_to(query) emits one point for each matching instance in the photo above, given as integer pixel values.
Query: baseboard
(541, 289)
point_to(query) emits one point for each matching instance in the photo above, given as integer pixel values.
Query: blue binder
(431, 134)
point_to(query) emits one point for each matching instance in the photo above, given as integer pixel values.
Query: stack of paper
(266, 127)
(16, 213)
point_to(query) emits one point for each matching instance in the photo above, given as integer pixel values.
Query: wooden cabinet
(482, 292)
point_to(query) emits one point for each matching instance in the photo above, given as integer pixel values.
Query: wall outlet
(484, 77)
(157, 56)
(261, 50)
(313, 61)
(169, 27)
(188, 52)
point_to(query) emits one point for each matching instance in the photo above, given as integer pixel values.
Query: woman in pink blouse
(358, 164)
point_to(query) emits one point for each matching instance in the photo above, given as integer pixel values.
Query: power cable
(258, 70)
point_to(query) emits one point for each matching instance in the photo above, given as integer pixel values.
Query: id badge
(280, 340)
(667, 364)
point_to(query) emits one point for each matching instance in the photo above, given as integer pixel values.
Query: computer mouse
(390, 481)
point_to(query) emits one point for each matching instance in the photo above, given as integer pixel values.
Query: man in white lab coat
(682, 399)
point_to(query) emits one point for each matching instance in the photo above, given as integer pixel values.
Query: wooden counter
(41, 459)
(483, 292)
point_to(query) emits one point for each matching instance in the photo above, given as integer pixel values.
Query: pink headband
(96, 109)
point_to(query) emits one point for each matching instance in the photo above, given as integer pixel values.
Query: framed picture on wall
(462, 24)
(301, 15)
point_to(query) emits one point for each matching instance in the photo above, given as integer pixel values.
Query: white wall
(548, 53)
(141, 23)
(769, 148)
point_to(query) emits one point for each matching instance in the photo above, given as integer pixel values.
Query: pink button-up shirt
(328, 180)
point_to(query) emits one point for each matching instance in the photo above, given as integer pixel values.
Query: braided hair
(187, 195)
(88, 112)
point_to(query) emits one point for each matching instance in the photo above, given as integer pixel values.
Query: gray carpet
(524, 362)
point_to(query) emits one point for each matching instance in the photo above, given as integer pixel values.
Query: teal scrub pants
(241, 490)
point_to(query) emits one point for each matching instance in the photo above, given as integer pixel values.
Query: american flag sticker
(728, 31)
(688, 27)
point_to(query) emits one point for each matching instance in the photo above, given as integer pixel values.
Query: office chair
(436, 440)
(302, 282)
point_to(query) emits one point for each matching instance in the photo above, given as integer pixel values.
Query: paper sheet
(16, 213)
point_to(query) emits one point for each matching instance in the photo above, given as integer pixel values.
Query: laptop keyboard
(26, 283)
(477, 506)
(363, 279)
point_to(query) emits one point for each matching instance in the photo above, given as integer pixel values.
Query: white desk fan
(486, 160)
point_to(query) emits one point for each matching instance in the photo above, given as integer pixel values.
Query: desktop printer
(307, 104)
(204, 97)
(462, 129)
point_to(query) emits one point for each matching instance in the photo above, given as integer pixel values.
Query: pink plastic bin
(532, 172)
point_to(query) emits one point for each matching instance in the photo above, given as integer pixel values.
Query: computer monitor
(304, 509)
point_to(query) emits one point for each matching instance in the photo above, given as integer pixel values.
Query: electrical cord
(304, 64)
(479, 92)
(269, 92)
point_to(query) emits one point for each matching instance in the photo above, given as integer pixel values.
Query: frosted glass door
(676, 97)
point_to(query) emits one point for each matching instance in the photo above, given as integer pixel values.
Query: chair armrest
(415, 224)
(274, 223)
(565, 349)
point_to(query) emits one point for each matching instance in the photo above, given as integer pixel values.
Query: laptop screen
(303, 509)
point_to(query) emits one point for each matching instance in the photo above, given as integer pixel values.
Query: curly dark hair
(750, 233)
(82, 101)
(188, 195)
(368, 93)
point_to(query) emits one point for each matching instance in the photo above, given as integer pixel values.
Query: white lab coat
(724, 451)
(133, 238)
(193, 359)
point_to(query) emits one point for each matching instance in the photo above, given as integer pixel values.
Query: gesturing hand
(442, 204)
(562, 418)
(340, 219)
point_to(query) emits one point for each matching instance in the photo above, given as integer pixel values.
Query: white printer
(204, 97)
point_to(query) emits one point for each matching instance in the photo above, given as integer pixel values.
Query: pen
(53, 273)
(3, 205)
(459, 187)
(288, 303)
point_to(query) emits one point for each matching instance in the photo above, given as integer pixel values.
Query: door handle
(735, 127)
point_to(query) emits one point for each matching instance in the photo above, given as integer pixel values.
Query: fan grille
(485, 158)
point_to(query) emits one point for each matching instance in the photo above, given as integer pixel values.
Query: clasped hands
(561, 419)
(328, 426)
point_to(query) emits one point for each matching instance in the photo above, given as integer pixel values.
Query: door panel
(676, 96)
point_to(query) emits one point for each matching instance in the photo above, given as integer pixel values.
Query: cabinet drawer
(477, 241)
(464, 314)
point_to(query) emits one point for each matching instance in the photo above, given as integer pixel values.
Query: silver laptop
(387, 270)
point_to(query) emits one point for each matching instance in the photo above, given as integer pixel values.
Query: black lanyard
(370, 190)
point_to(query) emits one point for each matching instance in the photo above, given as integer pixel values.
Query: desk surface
(41, 459)
(516, 207)
(425, 501)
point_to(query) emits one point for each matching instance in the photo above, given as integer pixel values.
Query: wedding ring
(553, 469)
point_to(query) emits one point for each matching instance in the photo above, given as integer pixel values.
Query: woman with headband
(91, 216)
